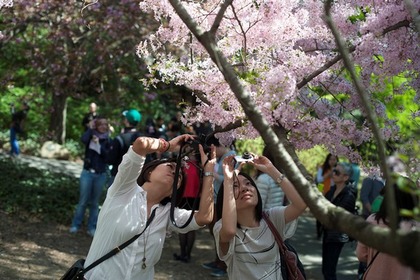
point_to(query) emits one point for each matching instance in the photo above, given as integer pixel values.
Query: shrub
(27, 191)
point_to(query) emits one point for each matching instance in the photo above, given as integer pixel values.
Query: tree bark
(58, 116)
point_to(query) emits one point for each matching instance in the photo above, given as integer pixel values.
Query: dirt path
(34, 250)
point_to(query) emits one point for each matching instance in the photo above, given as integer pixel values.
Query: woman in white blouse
(137, 191)
(243, 238)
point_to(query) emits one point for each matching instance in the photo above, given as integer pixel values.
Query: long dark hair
(145, 177)
(219, 201)
(326, 166)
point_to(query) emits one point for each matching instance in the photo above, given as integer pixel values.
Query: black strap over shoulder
(117, 249)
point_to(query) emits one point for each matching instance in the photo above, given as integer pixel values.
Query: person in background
(138, 191)
(120, 144)
(381, 265)
(341, 194)
(324, 178)
(356, 174)
(190, 201)
(271, 194)
(324, 174)
(243, 238)
(16, 127)
(371, 188)
(94, 174)
(217, 266)
(90, 116)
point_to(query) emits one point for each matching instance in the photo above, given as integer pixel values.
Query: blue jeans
(330, 254)
(91, 187)
(14, 142)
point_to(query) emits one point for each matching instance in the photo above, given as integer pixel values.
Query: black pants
(330, 254)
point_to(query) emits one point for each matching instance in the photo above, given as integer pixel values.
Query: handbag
(291, 266)
(77, 272)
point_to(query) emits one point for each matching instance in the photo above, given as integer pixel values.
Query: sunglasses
(337, 172)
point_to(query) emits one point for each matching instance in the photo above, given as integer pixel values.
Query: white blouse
(253, 253)
(123, 215)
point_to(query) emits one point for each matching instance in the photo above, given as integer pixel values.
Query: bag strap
(370, 264)
(274, 231)
(117, 249)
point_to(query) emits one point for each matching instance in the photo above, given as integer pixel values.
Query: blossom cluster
(274, 46)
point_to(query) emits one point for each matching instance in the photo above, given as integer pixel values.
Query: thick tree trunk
(58, 118)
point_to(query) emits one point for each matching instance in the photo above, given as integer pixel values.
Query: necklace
(145, 238)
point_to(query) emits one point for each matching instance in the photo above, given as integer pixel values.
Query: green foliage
(312, 158)
(28, 191)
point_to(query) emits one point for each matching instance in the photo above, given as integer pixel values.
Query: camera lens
(246, 155)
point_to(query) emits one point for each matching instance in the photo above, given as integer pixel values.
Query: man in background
(16, 127)
(91, 115)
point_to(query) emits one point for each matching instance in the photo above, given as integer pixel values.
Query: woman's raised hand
(229, 166)
(146, 145)
(262, 163)
(175, 143)
(208, 161)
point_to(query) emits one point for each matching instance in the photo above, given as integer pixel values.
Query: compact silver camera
(245, 157)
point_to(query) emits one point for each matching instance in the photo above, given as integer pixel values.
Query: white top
(271, 193)
(123, 215)
(254, 253)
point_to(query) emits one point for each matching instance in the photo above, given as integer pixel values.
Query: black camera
(245, 157)
(202, 139)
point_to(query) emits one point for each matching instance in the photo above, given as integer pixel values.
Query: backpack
(126, 139)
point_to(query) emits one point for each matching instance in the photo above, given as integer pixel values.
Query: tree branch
(327, 65)
(219, 16)
(371, 116)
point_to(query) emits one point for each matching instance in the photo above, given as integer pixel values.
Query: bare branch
(219, 16)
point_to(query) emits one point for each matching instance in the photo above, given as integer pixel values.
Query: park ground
(31, 249)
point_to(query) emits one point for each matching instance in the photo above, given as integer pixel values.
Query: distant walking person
(91, 115)
(17, 127)
(94, 176)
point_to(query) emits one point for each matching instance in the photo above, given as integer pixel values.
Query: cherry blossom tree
(296, 73)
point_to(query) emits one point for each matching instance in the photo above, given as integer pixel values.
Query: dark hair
(219, 201)
(403, 200)
(326, 166)
(145, 177)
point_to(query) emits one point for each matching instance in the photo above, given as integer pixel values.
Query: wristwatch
(280, 179)
(208, 174)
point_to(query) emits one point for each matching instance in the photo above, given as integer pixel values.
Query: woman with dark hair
(382, 265)
(94, 174)
(136, 192)
(244, 240)
(324, 179)
(324, 174)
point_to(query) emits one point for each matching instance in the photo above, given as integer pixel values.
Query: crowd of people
(213, 187)
(138, 169)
